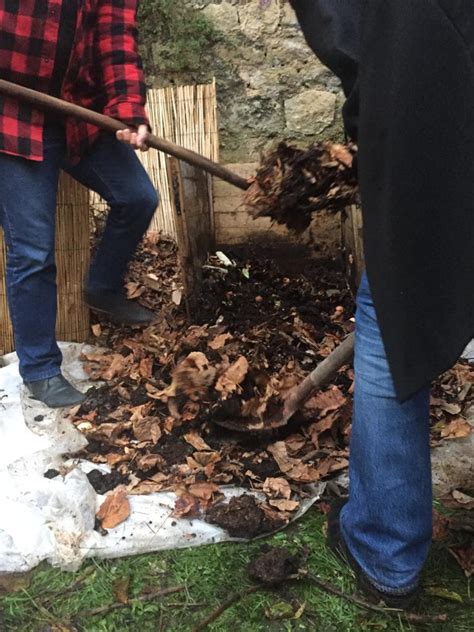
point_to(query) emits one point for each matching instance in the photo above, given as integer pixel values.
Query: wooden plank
(194, 224)
(353, 245)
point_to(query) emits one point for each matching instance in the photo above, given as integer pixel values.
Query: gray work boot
(117, 308)
(55, 392)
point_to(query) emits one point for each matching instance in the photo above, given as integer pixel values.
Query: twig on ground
(409, 616)
(230, 601)
(162, 592)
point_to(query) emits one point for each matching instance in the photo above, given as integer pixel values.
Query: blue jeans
(27, 214)
(386, 523)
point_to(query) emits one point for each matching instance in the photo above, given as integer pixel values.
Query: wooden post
(353, 246)
(72, 262)
(194, 225)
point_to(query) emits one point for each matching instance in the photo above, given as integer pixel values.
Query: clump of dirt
(243, 517)
(103, 483)
(274, 566)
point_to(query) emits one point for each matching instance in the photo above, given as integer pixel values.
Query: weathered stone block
(310, 112)
(288, 17)
(256, 22)
(224, 16)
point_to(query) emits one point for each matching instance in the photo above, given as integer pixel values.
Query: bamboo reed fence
(186, 115)
(72, 261)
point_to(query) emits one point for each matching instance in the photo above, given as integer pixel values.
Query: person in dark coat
(407, 69)
(86, 53)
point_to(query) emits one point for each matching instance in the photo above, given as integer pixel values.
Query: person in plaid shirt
(83, 51)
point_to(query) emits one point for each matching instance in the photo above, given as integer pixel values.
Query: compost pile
(154, 416)
(293, 183)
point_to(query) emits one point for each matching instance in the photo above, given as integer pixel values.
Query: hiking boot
(336, 543)
(118, 309)
(55, 392)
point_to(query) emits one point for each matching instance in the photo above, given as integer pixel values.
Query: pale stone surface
(224, 16)
(288, 17)
(262, 65)
(310, 112)
(256, 22)
(453, 465)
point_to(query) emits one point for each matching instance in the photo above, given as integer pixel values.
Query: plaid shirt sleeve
(120, 63)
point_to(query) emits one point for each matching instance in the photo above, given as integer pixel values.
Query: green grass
(210, 574)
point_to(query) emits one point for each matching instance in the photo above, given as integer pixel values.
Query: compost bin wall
(234, 225)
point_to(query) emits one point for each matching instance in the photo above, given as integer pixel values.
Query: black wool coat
(407, 69)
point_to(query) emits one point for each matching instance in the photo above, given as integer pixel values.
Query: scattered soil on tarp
(103, 483)
(243, 517)
(261, 327)
(274, 566)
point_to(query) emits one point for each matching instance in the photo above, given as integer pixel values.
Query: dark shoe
(117, 308)
(336, 543)
(55, 392)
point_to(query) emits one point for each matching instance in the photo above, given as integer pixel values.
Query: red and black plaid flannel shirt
(104, 71)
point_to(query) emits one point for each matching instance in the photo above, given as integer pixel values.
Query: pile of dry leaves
(162, 393)
(293, 183)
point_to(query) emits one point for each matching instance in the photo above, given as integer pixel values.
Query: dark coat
(408, 71)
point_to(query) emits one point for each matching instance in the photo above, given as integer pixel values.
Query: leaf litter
(160, 391)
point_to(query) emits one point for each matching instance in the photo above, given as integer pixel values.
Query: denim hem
(42, 376)
(388, 590)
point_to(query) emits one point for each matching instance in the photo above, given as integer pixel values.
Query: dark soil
(274, 566)
(242, 517)
(103, 483)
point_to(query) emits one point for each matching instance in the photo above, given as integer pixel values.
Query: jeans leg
(386, 523)
(112, 169)
(27, 215)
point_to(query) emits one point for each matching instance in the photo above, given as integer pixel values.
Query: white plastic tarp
(53, 519)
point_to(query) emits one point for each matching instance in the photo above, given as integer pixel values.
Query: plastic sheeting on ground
(53, 519)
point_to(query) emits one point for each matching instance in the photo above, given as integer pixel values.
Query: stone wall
(270, 85)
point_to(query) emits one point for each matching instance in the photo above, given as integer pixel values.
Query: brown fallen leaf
(114, 459)
(324, 425)
(465, 500)
(14, 582)
(230, 380)
(114, 510)
(451, 408)
(464, 554)
(440, 526)
(146, 366)
(295, 443)
(203, 491)
(326, 401)
(219, 341)
(148, 486)
(186, 505)
(207, 458)
(293, 468)
(284, 505)
(149, 462)
(134, 290)
(341, 154)
(456, 429)
(120, 588)
(194, 373)
(194, 439)
(118, 366)
(139, 412)
(147, 429)
(277, 488)
(96, 329)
